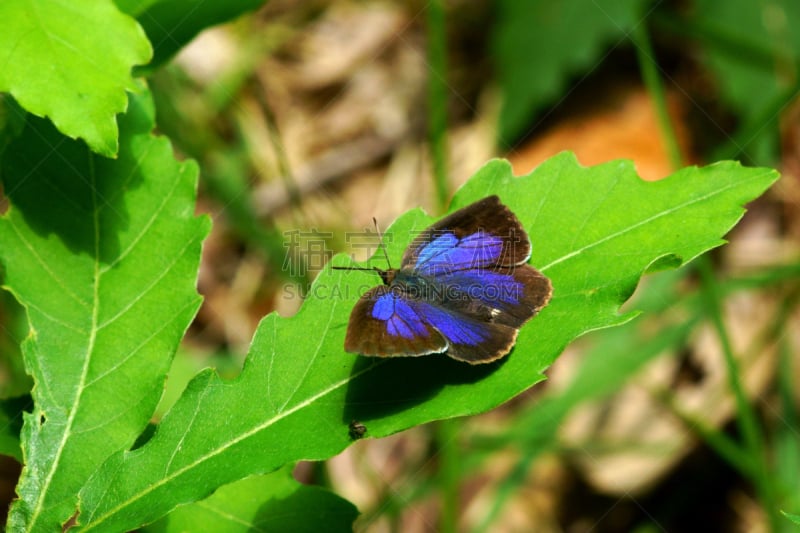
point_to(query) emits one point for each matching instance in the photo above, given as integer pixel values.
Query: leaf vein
(311, 360)
(73, 412)
(142, 344)
(177, 257)
(38, 258)
(641, 223)
(147, 225)
(221, 449)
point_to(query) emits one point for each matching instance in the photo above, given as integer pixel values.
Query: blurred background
(308, 118)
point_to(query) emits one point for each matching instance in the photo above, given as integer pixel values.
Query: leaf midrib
(37, 511)
(228, 444)
(648, 220)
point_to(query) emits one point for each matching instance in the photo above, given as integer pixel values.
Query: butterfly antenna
(382, 244)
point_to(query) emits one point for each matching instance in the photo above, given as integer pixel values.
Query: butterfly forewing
(481, 235)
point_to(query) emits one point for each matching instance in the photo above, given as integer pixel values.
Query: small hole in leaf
(42, 419)
(146, 435)
(73, 520)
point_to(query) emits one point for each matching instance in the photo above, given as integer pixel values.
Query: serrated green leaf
(595, 231)
(272, 502)
(539, 44)
(71, 62)
(103, 255)
(171, 24)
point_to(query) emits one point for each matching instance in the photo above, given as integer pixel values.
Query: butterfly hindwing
(472, 338)
(383, 324)
(508, 295)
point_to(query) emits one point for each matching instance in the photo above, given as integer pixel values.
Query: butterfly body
(463, 289)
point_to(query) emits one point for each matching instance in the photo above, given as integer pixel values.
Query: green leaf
(539, 44)
(103, 255)
(273, 502)
(595, 231)
(171, 24)
(71, 62)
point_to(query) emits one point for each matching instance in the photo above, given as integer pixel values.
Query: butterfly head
(387, 276)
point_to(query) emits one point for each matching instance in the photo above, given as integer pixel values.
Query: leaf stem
(449, 472)
(437, 99)
(746, 416)
(649, 69)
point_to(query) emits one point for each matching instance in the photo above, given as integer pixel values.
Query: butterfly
(463, 288)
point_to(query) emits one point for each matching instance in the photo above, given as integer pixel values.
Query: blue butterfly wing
(483, 235)
(483, 289)
(464, 287)
(509, 296)
(390, 323)
(470, 337)
(385, 323)
(447, 253)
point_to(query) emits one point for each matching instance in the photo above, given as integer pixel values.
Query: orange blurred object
(624, 128)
